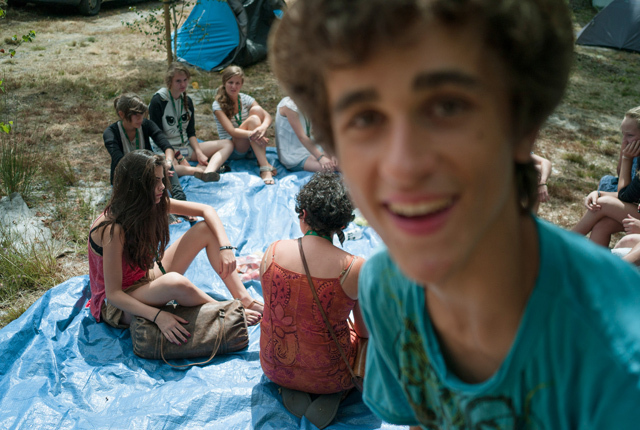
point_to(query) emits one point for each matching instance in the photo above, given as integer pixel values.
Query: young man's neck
(477, 311)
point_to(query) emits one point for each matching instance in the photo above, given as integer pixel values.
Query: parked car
(85, 7)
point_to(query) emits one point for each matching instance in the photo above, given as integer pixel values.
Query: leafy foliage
(152, 24)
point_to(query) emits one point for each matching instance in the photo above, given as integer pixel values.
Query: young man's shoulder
(589, 287)
(381, 278)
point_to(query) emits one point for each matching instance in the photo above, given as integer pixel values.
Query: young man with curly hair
(480, 315)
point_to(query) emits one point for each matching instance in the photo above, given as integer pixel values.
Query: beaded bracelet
(222, 248)
(321, 155)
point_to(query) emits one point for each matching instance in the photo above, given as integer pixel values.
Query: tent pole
(167, 28)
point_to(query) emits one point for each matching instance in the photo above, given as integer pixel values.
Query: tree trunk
(167, 28)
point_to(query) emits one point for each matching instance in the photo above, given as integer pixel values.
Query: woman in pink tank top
(296, 350)
(131, 273)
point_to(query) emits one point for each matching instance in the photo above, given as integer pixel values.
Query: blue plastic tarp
(63, 370)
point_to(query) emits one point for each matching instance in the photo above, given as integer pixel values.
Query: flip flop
(323, 410)
(295, 401)
(207, 176)
(224, 168)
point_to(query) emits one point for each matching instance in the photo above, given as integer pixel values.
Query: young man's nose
(409, 155)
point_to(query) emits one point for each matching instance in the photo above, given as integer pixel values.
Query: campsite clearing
(60, 90)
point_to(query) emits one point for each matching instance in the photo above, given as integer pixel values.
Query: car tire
(89, 7)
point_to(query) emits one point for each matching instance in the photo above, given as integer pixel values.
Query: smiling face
(424, 141)
(158, 189)
(179, 84)
(630, 130)
(233, 85)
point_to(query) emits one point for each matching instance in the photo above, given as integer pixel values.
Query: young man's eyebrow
(351, 98)
(429, 80)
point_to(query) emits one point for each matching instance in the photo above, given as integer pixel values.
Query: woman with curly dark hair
(296, 349)
(130, 271)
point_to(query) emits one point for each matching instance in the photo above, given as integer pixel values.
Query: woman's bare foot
(253, 317)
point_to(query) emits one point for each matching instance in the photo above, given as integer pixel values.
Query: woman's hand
(591, 201)
(258, 136)
(631, 225)
(543, 193)
(202, 159)
(171, 327)
(631, 150)
(227, 263)
(326, 163)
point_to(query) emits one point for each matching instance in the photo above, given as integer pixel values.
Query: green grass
(575, 158)
(18, 165)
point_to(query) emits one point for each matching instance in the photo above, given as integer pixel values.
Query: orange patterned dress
(296, 349)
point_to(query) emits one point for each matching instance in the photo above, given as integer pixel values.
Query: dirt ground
(61, 88)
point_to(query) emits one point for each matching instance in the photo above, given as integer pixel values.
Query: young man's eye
(365, 119)
(448, 108)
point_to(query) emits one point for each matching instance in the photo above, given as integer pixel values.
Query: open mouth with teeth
(422, 209)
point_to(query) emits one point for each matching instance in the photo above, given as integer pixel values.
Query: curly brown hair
(132, 206)
(329, 208)
(532, 38)
(168, 80)
(222, 97)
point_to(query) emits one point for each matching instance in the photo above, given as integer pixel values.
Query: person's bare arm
(227, 256)
(543, 166)
(225, 122)
(627, 155)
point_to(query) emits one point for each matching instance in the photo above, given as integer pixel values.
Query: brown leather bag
(357, 371)
(215, 328)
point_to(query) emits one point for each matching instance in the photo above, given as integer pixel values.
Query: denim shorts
(111, 314)
(235, 155)
(300, 166)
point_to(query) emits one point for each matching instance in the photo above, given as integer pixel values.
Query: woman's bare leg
(611, 207)
(181, 253)
(602, 231)
(217, 151)
(259, 149)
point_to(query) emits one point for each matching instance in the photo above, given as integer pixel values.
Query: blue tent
(220, 32)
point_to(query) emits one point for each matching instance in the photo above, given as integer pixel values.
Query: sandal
(207, 176)
(272, 171)
(296, 402)
(255, 302)
(323, 410)
(224, 169)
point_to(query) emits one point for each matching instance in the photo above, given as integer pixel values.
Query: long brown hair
(132, 206)
(222, 97)
(173, 69)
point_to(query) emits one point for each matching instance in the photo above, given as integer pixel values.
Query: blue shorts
(235, 155)
(298, 167)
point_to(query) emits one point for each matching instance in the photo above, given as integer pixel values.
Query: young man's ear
(523, 148)
(121, 114)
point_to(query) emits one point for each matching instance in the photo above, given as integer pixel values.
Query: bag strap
(222, 334)
(324, 315)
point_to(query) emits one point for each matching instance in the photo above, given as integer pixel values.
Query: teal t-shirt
(574, 364)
